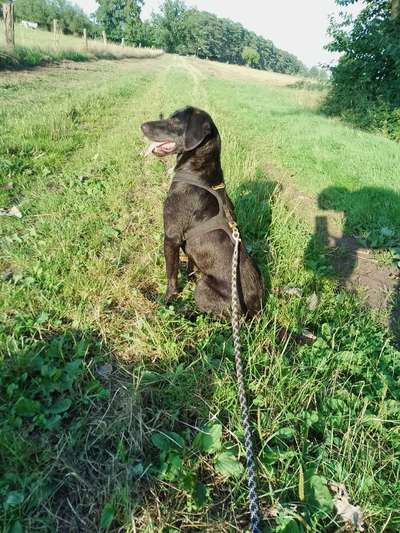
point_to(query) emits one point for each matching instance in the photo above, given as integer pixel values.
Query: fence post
(104, 38)
(395, 9)
(8, 16)
(55, 30)
(85, 41)
(123, 42)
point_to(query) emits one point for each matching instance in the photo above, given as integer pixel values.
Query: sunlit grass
(82, 283)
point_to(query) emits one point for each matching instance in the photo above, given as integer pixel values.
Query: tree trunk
(8, 16)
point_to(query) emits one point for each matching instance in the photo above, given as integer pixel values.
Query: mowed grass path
(118, 412)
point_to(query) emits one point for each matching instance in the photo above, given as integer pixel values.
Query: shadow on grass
(67, 439)
(371, 221)
(85, 440)
(252, 201)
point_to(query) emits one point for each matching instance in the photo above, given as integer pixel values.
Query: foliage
(187, 31)
(180, 458)
(71, 18)
(250, 56)
(46, 392)
(120, 19)
(366, 82)
(30, 57)
(171, 25)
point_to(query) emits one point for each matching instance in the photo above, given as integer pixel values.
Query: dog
(199, 216)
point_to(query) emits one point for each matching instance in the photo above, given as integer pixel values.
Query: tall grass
(38, 47)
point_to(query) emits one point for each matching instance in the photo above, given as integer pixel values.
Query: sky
(297, 26)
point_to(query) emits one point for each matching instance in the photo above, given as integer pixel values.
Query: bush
(23, 56)
(365, 87)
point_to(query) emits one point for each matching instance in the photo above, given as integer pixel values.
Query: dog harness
(223, 220)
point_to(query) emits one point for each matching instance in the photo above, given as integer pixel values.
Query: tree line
(183, 30)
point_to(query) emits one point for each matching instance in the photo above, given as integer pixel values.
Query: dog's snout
(145, 127)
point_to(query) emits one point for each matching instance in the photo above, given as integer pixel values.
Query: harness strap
(219, 221)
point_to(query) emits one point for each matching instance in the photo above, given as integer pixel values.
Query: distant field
(120, 414)
(35, 47)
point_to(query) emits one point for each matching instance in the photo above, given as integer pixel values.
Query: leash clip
(235, 231)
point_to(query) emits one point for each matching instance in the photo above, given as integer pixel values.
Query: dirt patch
(354, 266)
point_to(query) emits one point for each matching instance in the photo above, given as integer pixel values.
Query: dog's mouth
(161, 148)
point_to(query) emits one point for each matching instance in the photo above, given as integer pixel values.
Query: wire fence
(56, 41)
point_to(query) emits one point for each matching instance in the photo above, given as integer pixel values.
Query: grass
(38, 47)
(118, 413)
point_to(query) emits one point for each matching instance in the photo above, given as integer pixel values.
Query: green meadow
(119, 413)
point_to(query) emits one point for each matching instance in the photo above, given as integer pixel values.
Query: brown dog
(197, 213)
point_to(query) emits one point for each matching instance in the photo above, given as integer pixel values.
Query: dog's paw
(170, 295)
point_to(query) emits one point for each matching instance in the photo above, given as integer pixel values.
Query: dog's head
(184, 131)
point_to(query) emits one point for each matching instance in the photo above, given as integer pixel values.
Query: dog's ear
(197, 129)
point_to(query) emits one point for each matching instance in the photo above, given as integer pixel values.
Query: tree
(71, 18)
(250, 56)
(171, 26)
(39, 11)
(120, 18)
(366, 80)
(133, 24)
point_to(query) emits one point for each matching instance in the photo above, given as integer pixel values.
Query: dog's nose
(145, 127)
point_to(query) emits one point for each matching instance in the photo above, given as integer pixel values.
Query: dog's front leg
(171, 254)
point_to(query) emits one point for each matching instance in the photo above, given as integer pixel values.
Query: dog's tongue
(160, 148)
(152, 146)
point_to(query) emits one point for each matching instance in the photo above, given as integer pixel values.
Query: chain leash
(250, 464)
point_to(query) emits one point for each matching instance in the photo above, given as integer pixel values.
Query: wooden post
(8, 15)
(85, 41)
(104, 38)
(55, 30)
(395, 9)
(123, 42)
